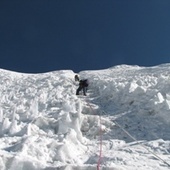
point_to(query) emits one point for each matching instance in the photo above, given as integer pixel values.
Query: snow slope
(45, 126)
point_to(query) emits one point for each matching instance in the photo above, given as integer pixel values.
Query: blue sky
(46, 35)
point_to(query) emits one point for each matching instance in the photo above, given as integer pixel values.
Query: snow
(45, 126)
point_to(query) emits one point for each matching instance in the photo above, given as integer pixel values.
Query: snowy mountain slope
(45, 126)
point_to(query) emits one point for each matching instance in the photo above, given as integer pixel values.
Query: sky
(40, 36)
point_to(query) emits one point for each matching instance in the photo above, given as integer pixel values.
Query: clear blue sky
(46, 35)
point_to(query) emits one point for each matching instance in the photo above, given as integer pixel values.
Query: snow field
(44, 125)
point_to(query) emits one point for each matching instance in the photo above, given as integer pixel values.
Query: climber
(83, 84)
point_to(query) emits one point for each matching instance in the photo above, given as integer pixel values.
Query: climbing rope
(156, 156)
(134, 139)
(100, 134)
(100, 149)
(126, 132)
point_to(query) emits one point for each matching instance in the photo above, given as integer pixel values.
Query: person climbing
(83, 84)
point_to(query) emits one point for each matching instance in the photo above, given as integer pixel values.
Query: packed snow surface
(122, 124)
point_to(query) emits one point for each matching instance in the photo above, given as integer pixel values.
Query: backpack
(85, 82)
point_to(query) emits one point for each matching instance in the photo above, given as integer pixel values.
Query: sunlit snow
(125, 119)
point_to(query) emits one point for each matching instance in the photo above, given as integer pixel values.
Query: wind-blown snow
(45, 126)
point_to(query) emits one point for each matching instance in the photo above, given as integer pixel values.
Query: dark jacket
(83, 83)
